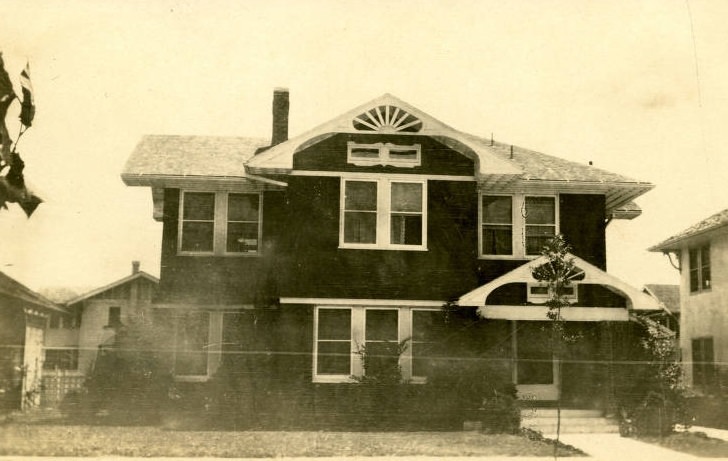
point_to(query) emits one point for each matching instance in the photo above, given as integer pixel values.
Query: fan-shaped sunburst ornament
(388, 119)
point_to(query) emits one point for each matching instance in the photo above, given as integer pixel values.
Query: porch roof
(636, 299)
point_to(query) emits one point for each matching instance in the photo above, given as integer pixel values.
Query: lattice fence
(58, 383)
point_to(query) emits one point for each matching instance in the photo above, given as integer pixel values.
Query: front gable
(384, 115)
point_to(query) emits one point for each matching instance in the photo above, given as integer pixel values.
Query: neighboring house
(669, 298)
(356, 233)
(23, 317)
(90, 321)
(701, 253)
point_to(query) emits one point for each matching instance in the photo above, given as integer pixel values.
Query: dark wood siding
(582, 222)
(216, 279)
(330, 155)
(316, 267)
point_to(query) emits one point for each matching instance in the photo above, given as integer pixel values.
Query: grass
(694, 443)
(27, 439)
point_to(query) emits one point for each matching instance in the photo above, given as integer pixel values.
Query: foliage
(381, 367)
(656, 399)
(130, 380)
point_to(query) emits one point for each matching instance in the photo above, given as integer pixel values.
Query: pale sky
(639, 88)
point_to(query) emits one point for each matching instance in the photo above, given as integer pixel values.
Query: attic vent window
(383, 154)
(387, 119)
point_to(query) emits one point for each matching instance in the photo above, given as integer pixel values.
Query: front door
(535, 370)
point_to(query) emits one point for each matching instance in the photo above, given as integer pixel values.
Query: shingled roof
(714, 222)
(17, 291)
(161, 161)
(206, 156)
(669, 295)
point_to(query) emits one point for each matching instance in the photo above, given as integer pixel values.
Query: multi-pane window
(497, 219)
(383, 154)
(540, 223)
(220, 223)
(333, 342)
(381, 334)
(61, 359)
(703, 363)
(360, 212)
(406, 216)
(699, 269)
(243, 222)
(383, 213)
(516, 225)
(375, 341)
(191, 343)
(198, 222)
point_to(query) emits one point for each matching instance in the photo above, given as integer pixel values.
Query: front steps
(544, 420)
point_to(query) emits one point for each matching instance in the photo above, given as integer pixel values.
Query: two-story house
(356, 232)
(701, 254)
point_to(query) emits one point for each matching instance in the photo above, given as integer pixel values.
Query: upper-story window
(383, 214)
(699, 269)
(383, 154)
(220, 223)
(516, 225)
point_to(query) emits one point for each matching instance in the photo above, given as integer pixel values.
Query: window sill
(381, 248)
(191, 378)
(221, 255)
(510, 257)
(333, 379)
(700, 292)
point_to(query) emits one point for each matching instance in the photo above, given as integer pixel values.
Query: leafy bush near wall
(131, 382)
(651, 397)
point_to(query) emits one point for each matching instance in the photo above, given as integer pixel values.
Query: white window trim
(358, 339)
(384, 157)
(699, 269)
(539, 298)
(518, 224)
(214, 351)
(220, 223)
(384, 214)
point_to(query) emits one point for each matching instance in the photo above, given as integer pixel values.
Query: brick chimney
(134, 267)
(280, 116)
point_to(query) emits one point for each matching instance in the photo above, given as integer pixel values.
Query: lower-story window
(356, 341)
(703, 364)
(191, 344)
(61, 359)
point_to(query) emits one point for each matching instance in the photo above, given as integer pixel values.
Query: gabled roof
(712, 223)
(279, 158)
(636, 299)
(668, 295)
(14, 289)
(159, 159)
(130, 278)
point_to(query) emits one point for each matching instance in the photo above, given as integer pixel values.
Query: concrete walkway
(613, 447)
(710, 432)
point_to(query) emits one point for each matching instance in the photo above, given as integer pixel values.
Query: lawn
(694, 443)
(23, 439)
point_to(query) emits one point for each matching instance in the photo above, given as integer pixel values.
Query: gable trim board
(636, 300)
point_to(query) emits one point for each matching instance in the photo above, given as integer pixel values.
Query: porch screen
(534, 357)
(333, 343)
